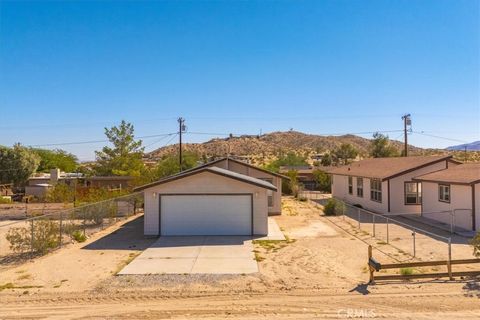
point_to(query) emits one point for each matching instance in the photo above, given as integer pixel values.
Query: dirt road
(278, 305)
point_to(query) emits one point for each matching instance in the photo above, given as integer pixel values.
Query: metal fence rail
(387, 228)
(38, 235)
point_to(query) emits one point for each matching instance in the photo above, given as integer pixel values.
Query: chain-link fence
(406, 237)
(38, 235)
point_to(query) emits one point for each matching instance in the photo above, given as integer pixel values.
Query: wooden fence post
(370, 268)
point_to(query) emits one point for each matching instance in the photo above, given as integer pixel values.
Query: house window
(360, 187)
(444, 193)
(350, 185)
(413, 193)
(269, 192)
(376, 190)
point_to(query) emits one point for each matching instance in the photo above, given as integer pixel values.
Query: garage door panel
(206, 215)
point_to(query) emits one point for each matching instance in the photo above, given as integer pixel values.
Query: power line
(157, 141)
(93, 141)
(439, 137)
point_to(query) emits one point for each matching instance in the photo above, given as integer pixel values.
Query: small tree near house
(476, 245)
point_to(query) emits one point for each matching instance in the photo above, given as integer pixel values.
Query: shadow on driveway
(129, 236)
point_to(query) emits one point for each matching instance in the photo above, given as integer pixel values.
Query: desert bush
(78, 236)
(60, 193)
(406, 271)
(45, 237)
(334, 207)
(5, 200)
(476, 245)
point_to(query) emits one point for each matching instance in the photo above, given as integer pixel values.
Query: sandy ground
(319, 273)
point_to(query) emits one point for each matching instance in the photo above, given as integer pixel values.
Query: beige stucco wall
(246, 170)
(477, 206)
(340, 190)
(206, 182)
(397, 189)
(36, 191)
(460, 198)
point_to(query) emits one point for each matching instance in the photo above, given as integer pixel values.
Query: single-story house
(386, 185)
(274, 196)
(455, 190)
(207, 200)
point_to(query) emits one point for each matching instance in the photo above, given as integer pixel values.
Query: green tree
(51, 159)
(290, 159)
(326, 159)
(380, 147)
(291, 186)
(169, 165)
(125, 157)
(323, 180)
(17, 164)
(345, 153)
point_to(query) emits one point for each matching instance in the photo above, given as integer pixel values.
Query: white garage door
(182, 215)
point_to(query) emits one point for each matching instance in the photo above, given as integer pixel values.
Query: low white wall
(206, 182)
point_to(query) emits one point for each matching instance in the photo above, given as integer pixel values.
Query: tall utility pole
(181, 128)
(406, 122)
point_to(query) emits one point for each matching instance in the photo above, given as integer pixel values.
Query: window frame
(377, 192)
(360, 187)
(443, 185)
(418, 193)
(270, 202)
(350, 185)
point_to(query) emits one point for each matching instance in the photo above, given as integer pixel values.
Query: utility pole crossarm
(181, 129)
(406, 122)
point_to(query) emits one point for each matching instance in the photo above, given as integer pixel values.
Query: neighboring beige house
(274, 196)
(38, 186)
(455, 191)
(386, 185)
(207, 200)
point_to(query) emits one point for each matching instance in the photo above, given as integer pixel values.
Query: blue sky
(67, 69)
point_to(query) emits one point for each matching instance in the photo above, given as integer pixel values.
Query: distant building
(39, 185)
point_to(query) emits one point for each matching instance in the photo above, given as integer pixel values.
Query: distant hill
(473, 146)
(265, 147)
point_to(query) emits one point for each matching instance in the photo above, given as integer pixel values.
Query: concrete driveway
(196, 254)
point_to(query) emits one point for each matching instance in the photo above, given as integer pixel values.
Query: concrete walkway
(196, 254)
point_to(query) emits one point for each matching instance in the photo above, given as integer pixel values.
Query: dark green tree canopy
(51, 159)
(345, 153)
(381, 147)
(124, 158)
(290, 159)
(17, 164)
(323, 180)
(327, 159)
